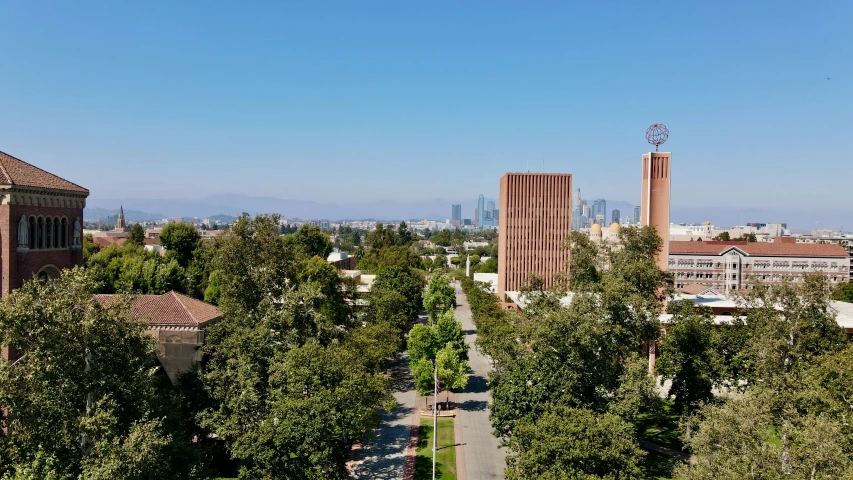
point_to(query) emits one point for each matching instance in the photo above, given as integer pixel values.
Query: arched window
(64, 233)
(33, 240)
(55, 233)
(40, 232)
(48, 232)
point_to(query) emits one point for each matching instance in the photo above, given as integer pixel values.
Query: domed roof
(707, 222)
(596, 228)
(614, 227)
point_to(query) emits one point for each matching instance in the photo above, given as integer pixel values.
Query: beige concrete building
(654, 202)
(728, 266)
(535, 217)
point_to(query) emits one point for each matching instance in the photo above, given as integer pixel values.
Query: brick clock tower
(41, 223)
(654, 202)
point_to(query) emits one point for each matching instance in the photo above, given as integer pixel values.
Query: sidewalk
(479, 455)
(385, 456)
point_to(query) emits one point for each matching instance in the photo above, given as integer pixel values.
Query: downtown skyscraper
(599, 210)
(456, 215)
(481, 212)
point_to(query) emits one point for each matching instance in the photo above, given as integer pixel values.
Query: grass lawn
(661, 429)
(445, 459)
(659, 466)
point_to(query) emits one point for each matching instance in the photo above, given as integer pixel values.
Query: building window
(55, 233)
(33, 232)
(48, 232)
(64, 233)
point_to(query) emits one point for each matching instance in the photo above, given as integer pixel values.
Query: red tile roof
(763, 249)
(171, 308)
(14, 171)
(102, 241)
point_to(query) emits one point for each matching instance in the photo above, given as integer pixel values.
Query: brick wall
(20, 266)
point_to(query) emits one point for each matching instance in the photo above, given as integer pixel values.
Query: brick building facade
(535, 218)
(41, 225)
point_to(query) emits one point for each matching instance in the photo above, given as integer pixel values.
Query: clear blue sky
(331, 101)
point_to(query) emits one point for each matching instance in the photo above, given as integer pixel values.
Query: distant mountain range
(232, 205)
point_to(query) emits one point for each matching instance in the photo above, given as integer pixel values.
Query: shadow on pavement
(476, 384)
(473, 405)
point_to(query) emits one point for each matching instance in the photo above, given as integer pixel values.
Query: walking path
(479, 455)
(654, 447)
(384, 456)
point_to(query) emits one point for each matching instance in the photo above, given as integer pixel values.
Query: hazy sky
(368, 100)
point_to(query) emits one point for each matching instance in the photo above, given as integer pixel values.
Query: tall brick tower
(41, 225)
(654, 202)
(535, 217)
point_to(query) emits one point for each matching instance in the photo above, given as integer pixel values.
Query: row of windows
(762, 265)
(48, 233)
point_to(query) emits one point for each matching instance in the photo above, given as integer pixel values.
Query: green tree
(213, 290)
(725, 237)
(440, 296)
(406, 282)
(452, 368)
(404, 236)
(688, 355)
(89, 247)
(311, 242)
(136, 235)
(489, 266)
(82, 398)
(843, 292)
(572, 443)
(180, 240)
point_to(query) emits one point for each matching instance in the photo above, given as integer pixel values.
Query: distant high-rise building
(490, 211)
(456, 215)
(481, 210)
(536, 216)
(654, 200)
(637, 215)
(599, 207)
(477, 217)
(599, 219)
(616, 214)
(496, 215)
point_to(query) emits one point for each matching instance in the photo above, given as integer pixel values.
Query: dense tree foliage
(441, 344)
(843, 292)
(180, 240)
(790, 421)
(132, 269)
(688, 355)
(440, 296)
(295, 375)
(85, 399)
(573, 443)
(136, 235)
(568, 378)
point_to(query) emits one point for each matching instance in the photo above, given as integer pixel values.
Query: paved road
(484, 459)
(384, 456)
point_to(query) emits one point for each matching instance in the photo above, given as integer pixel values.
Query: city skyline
(286, 121)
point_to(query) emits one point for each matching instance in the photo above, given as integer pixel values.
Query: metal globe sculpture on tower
(657, 135)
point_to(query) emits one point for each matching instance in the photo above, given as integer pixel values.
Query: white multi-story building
(728, 266)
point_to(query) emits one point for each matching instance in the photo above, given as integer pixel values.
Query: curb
(412, 447)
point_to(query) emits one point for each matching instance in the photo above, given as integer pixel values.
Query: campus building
(654, 199)
(728, 266)
(535, 217)
(41, 223)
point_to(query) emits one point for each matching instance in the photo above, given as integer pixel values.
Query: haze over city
(358, 103)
